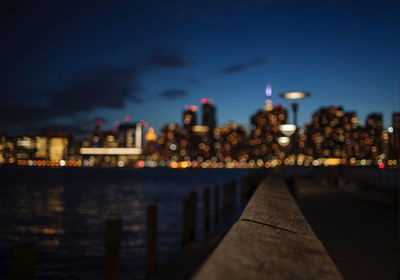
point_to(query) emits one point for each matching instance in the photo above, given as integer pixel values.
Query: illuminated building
(110, 141)
(172, 143)
(97, 134)
(208, 113)
(200, 145)
(268, 102)
(42, 147)
(150, 143)
(7, 149)
(130, 135)
(150, 135)
(206, 140)
(373, 139)
(25, 148)
(336, 134)
(394, 138)
(126, 135)
(189, 117)
(263, 143)
(58, 148)
(231, 142)
(117, 147)
(326, 134)
(352, 130)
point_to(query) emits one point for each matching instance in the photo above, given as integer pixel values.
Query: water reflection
(65, 215)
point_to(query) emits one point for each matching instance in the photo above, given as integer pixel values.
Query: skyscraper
(265, 132)
(326, 134)
(189, 117)
(208, 114)
(374, 129)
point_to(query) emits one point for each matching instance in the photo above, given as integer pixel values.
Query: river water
(64, 210)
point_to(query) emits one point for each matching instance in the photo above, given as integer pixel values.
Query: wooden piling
(193, 215)
(216, 204)
(243, 190)
(151, 257)
(206, 209)
(225, 199)
(233, 195)
(23, 261)
(186, 222)
(113, 248)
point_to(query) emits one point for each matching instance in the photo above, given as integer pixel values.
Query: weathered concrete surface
(359, 234)
(271, 240)
(273, 205)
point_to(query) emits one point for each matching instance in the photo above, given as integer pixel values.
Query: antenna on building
(268, 93)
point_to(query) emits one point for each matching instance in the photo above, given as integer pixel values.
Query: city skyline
(67, 65)
(334, 136)
(98, 123)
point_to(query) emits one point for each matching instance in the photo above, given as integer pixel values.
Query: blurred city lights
(283, 141)
(294, 95)
(287, 129)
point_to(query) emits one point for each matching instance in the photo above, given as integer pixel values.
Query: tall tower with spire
(268, 93)
(265, 129)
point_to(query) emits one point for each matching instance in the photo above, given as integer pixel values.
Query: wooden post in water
(151, 257)
(216, 204)
(186, 222)
(193, 216)
(233, 195)
(23, 261)
(225, 199)
(243, 190)
(206, 195)
(113, 248)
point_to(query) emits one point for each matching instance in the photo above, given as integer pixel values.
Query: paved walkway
(360, 236)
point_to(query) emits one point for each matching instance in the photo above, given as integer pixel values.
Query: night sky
(66, 63)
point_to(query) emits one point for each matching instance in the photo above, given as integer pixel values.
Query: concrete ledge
(271, 240)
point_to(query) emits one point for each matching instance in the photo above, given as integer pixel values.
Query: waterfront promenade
(359, 231)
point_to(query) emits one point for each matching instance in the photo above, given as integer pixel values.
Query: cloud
(194, 81)
(20, 114)
(89, 89)
(235, 68)
(166, 58)
(97, 87)
(171, 94)
(101, 87)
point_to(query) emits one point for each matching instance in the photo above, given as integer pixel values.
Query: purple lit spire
(268, 90)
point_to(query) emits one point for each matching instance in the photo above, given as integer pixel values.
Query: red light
(381, 165)
(141, 163)
(98, 122)
(127, 118)
(117, 123)
(203, 101)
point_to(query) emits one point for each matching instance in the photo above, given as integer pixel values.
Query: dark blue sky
(64, 64)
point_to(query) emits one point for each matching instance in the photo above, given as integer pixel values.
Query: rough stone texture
(271, 240)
